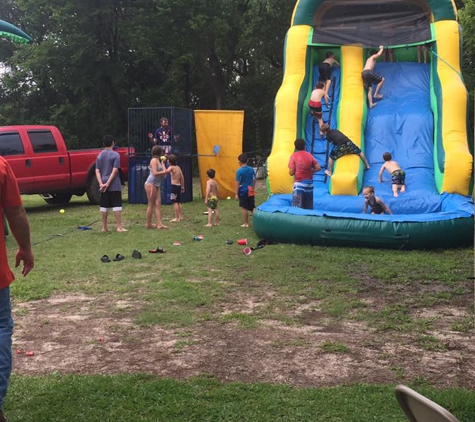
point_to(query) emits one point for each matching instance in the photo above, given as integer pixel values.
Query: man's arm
(20, 228)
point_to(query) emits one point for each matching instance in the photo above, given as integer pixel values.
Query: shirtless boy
(398, 176)
(325, 71)
(177, 187)
(370, 78)
(211, 198)
(315, 102)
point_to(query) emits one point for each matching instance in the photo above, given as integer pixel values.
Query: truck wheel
(93, 191)
(58, 198)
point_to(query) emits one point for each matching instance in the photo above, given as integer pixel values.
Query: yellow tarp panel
(222, 129)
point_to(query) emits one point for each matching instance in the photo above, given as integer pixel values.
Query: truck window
(10, 144)
(42, 141)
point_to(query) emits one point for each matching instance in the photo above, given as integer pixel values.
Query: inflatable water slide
(421, 120)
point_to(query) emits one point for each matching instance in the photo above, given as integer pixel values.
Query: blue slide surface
(401, 123)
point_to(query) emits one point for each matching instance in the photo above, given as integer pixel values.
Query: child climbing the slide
(325, 71)
(370, 77)
(398, 176)
(342, 145)
(315, 103)
(376, 204)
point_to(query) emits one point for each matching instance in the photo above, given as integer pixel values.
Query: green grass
(199, 282)
(146, 398)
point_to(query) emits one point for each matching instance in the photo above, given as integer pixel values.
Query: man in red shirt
(11, 207)
(302, 165)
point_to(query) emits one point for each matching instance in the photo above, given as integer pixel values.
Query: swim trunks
(212, 202)
(340, 150)
(175, 193)
(302, 194)
(325, 71)
(398, 177)
(315, 108)
(369, 78)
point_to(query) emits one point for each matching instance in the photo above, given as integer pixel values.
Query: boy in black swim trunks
(398, 176)
(342, 145)
(315, 103)
(370, 78)
(325, 71)
(376, 204)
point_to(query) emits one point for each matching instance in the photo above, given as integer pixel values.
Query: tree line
(91, 60)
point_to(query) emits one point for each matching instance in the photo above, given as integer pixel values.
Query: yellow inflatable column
(458, 160)
(219, 141)
(348, 170)
(286, 107)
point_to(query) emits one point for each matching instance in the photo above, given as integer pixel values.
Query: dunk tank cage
(141, 122)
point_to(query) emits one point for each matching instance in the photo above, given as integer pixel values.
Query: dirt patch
(96, 335)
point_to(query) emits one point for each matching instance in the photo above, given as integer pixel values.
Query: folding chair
(418, 408)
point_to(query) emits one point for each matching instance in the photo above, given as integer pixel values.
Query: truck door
(11, 147)
(50, 162)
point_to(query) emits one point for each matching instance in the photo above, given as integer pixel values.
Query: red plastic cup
(242, 242)
(247, 251)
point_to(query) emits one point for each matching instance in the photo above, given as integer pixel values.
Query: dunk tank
(421, 120)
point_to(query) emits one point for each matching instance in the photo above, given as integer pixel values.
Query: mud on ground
(78, 334)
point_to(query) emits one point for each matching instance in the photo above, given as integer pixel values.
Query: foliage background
(92, 60)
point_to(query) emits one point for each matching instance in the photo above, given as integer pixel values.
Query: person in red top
(302, 165)
(11, 208)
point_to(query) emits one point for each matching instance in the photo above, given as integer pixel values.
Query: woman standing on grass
(153, 188)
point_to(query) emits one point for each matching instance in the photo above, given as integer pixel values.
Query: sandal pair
(118, 257)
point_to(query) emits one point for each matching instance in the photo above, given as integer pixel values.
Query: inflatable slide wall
(421, 119)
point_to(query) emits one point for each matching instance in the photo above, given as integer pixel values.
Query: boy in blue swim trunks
(342, 145)
(398, 176)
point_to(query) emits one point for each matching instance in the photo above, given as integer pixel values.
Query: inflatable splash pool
(422, 121)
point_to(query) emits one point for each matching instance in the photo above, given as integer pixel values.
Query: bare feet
(403, 189)
(105, 230)
(121, 230)
(367, 167)
(208, 225)
(379, 96)
(396, 194)
(245, 225)
(162, 226)
(373, 105)
(152, 226)
(174, 220)
(328, 173)
(216, 224)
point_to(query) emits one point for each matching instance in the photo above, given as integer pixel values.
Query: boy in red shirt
(302, 165)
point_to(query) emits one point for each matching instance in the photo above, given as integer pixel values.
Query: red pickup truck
(43, 165)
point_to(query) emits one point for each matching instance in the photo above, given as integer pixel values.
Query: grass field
(205, 333)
